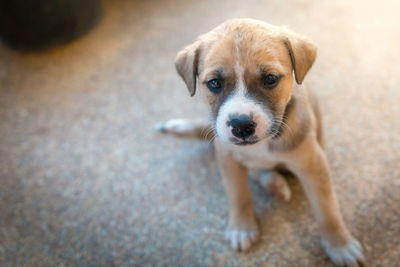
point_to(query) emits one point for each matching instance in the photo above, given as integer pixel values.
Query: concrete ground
(86, 181)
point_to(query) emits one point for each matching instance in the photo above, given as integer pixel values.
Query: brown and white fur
(287, 131)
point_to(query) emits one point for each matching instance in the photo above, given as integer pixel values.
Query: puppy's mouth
(243, 142)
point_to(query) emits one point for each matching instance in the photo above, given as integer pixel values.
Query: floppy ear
(186, 63)
(302, 53)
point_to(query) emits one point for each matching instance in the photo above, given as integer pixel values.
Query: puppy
(265, 118)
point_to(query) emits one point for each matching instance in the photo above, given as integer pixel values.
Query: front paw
(349, 254)
(241, 240)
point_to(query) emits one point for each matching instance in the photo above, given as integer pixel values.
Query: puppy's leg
(276, 184)
(242, 230)
(186, 128)
(311, 167)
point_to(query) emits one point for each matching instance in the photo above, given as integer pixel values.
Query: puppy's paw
(277, 185)
(175, 126)
(241, 240)
(347, 255)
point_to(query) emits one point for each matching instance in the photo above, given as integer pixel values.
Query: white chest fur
(256, 156)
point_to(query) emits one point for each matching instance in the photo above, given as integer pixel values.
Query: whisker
(283, 124)
(214, 134)
(204, 131)
(209, 131)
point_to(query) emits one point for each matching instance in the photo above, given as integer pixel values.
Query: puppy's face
(244, 69)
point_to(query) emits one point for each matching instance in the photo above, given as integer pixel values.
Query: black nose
(242, 126)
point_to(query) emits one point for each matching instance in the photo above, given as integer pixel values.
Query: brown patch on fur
(318, 118)
(290, 138)
(229, 83)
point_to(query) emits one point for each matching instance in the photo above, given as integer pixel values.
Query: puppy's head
(244, 68)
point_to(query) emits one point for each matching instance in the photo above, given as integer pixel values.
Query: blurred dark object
(39, 24)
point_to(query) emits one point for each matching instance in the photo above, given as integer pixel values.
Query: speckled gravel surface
(86, 181)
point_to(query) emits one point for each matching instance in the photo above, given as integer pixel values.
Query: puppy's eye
(271, 80)
(215, 85)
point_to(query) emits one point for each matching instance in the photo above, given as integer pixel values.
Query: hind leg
(187, 128)
(276, 184)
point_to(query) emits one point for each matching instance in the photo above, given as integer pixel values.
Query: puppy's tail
(186, 128)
